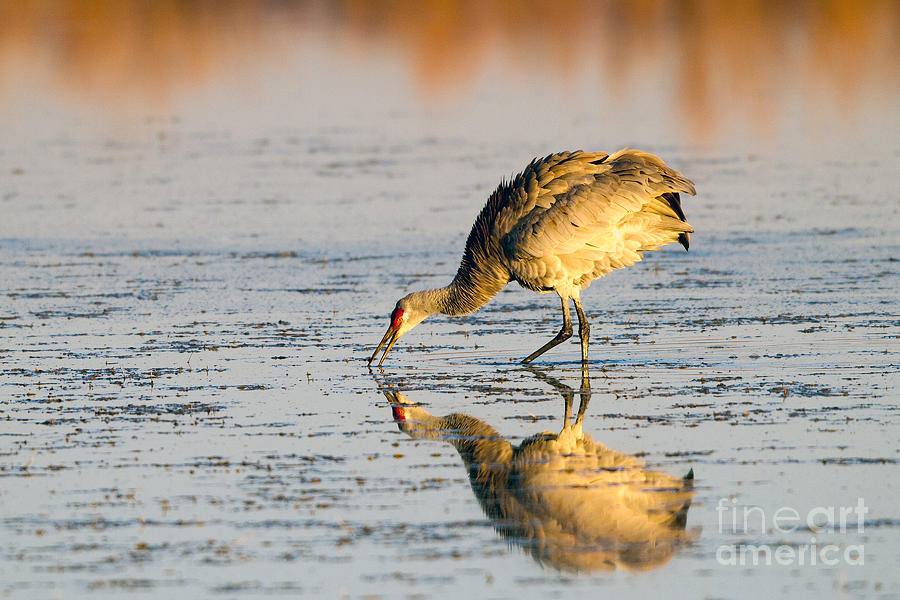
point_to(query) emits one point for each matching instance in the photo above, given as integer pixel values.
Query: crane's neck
(478, 279)
(474, 285)
(482, 271)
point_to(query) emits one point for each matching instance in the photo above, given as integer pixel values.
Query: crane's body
(566, 220)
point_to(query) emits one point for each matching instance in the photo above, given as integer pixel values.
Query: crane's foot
(564, 334)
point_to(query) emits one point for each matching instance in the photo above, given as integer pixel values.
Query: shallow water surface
(189, 301)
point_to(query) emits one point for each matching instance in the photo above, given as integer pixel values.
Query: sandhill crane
(566, 220)
(571, 502)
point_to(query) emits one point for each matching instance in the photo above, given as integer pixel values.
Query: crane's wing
(586, 214)
(538, 186)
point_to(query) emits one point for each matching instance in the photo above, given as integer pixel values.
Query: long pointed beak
(389, 338)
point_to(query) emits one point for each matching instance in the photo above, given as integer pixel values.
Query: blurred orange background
(746, 56)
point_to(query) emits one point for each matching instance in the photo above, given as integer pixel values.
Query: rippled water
(189, 303)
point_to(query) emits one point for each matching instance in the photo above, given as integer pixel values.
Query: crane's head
(409, 312)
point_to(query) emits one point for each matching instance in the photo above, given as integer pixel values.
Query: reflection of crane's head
(409, 312)
(412, 420)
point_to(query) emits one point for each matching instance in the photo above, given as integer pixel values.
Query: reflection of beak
(392, 336)
(397, 400)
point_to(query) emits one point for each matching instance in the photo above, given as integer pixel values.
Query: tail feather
(674, 201)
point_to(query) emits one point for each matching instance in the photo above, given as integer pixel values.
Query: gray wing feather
(576, 201)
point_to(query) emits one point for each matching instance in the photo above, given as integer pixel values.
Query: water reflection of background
(721, 68)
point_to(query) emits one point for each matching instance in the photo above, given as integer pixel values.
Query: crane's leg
(584, 328)
(564, 333)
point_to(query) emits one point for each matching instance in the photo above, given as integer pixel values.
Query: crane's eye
(396, 318)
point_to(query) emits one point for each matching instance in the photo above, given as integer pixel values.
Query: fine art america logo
(753, 520)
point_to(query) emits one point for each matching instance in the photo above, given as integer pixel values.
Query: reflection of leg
(568, 393)
(585, 393)
(584, 328)
(564, 333)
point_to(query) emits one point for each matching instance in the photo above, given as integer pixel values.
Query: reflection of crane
(573, 503)
(564, 221)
